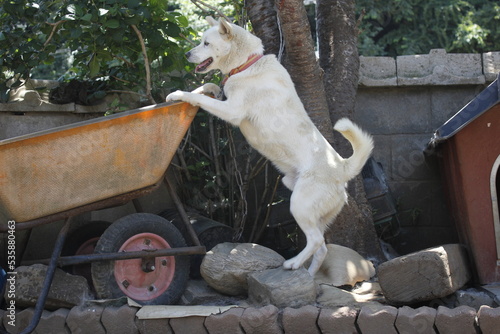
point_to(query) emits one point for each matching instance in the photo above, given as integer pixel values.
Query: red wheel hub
(144, 279)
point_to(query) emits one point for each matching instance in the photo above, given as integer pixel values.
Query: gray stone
(377, 319)
(224, 323)
(21, 321)
(188, 325)
(154, 326)
(338, 321)
(377, 71)
(282, 287)
(198, 292)
(262, 320)
(489, 319)
(460, 320)
(330, 296)
(226, 266)
(66, 290)
(343, 266)
(85, 320)
(440, 68)
(301, 320)
(491, 65)
(474, 298)
(53, 322)
(416, 321)
(424, 275)
(119, 320)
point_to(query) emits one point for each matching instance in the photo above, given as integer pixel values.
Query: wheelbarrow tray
(57, 170)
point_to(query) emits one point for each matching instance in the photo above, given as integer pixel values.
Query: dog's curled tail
(362, 145)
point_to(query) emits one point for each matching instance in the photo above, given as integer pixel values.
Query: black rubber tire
(77, 236)
(117, 234)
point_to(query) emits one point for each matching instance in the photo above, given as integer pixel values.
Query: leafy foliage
(400, 27)
(100, 37)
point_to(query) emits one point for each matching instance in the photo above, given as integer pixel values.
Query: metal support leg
(49, 276)
(182, 213)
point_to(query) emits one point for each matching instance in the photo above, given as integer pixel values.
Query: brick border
(269, 320)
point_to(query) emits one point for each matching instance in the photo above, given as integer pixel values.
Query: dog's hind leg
(303, 210)
(318, 258)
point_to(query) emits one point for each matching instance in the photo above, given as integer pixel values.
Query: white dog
(263, 103)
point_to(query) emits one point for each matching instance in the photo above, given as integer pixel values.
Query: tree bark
(262, 14)
(339, 58)
(302, 65)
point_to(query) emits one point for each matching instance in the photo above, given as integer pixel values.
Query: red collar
(250, 61)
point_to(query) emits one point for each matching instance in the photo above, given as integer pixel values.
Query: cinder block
(424, 275)
(301, 320)
(262, 320)
(416, 321)
(224, 323)
(377, 320)
(119, 320)
(85, 320)
(338, 321)
(491, 65)
(53, 322)
(489, 319)
(377, 71)
(188, 325)
(440, 68)
(459, 320)
(153, 326)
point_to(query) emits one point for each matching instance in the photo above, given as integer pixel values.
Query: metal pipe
(49, 276)
(182, 212)
(79, 259)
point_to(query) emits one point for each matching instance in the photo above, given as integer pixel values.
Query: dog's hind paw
(292, 264)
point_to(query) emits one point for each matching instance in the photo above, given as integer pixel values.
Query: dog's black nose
(188, 54)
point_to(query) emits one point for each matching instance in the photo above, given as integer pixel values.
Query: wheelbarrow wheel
(152, 281)
(81, 240)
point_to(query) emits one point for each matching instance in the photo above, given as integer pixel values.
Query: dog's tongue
(203, 65)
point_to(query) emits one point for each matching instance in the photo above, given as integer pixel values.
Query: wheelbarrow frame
(67, 215)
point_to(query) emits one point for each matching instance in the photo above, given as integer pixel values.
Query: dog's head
(223, 46)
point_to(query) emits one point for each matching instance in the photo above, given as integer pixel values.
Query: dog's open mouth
(204, 64)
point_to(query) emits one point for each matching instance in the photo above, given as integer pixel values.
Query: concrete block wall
(267, 320)
(402, 101)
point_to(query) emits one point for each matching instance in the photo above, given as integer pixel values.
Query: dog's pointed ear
(211, 21)
(225, 28)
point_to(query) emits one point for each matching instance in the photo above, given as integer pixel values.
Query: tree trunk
(325, 99)
(338, 56)
(262, 14)
(302, 65)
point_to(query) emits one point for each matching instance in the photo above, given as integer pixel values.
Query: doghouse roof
(483, 102)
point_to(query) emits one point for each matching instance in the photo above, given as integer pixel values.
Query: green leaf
(87, 17)
(94, 66)
(113, 24)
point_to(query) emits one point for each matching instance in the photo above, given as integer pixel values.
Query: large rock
(226, 266)
(343, 266)
(65, 291)
(424, 275)
(283, 288)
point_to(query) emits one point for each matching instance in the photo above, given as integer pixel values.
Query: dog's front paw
(176, 96)
(211, 89)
